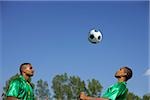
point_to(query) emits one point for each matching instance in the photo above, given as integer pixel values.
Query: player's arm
(11, 98)
(84, 97)
(93, 98)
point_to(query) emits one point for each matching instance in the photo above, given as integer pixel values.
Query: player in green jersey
(21, 88)
(118, 91)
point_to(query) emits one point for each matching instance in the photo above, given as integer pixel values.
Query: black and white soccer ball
(95, 36)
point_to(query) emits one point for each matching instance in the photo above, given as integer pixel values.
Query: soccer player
(21, 88)
(118, 91)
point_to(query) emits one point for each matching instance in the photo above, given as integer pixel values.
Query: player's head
(124, 72)
(27, 69)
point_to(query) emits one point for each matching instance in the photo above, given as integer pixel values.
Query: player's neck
(26, 77)
(121, 79)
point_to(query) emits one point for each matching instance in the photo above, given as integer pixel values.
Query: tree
(146, 96)
(94, 88)
(132, 96)
(76, 85)
(42, 91)
(5, 88)
(69, 88)
(66, 87)
(60, 82)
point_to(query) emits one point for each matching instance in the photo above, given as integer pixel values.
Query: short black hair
(129, 72)
(22, 65)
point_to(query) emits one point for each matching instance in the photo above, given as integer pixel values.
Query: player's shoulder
(17, 79)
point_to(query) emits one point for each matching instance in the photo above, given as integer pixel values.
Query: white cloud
(147, 73)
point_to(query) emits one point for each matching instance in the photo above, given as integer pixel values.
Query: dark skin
(120, 75)
(27, 72)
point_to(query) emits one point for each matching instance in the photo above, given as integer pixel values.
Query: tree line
(65, 87)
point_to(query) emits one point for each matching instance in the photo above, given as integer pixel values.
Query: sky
(53, 37)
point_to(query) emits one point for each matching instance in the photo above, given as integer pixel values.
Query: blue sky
(53, 37)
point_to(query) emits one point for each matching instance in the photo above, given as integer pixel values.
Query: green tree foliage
(69, 88)
(94, 88)
(76, 85)
(58, 84)
(42, 91)
(132, 96)
(146, 97)
(5, 88)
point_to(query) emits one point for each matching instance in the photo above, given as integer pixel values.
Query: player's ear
(125, 73)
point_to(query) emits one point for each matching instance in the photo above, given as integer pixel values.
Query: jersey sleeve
(13, 89)
(113, 92)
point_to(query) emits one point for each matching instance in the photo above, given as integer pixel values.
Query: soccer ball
(95, 36)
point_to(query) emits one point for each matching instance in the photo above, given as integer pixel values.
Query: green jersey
(118, 91)
(20, 89)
